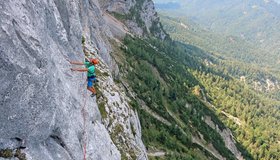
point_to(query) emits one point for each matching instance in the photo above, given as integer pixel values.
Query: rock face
(45, 108)
(227, 137)
(151, 19)
(265, 85)
(119, 6)
(120, 120)
(141, 17)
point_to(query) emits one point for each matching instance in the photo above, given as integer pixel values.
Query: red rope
(84, 130)
(84, 123)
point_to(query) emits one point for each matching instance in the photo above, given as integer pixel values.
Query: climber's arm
(79, 69)
(87, 59)
(77, 62)
(97, 48)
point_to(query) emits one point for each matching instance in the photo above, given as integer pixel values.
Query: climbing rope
(83, 111)
(84, 129)
(84, 126)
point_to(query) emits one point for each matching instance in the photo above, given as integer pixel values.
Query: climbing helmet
(94, 61)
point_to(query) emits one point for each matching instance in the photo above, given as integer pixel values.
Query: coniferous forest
(168, 76)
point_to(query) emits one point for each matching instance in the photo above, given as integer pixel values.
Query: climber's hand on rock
(68, 60)
(97, 48)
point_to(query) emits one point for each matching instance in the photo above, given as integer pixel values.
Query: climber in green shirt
(90, 69)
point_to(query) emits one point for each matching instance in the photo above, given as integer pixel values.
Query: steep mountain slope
(242, 94)
(180, 98)
(172, 118)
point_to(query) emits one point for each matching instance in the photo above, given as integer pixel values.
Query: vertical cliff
(46, 112)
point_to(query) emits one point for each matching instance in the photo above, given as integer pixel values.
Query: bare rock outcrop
(139, 16)
(227, 137)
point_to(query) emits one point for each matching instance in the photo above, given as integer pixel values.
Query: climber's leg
(90, 86)
(93, 91)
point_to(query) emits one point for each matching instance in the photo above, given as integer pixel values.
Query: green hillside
(168, 75)
(242, 57)
(225, 46)
(166, 87)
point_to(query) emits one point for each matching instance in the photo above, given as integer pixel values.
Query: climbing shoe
(93, 95)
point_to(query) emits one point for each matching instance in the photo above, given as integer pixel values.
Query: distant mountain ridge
(256, 21)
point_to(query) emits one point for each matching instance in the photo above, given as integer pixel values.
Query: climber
(90, 69)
